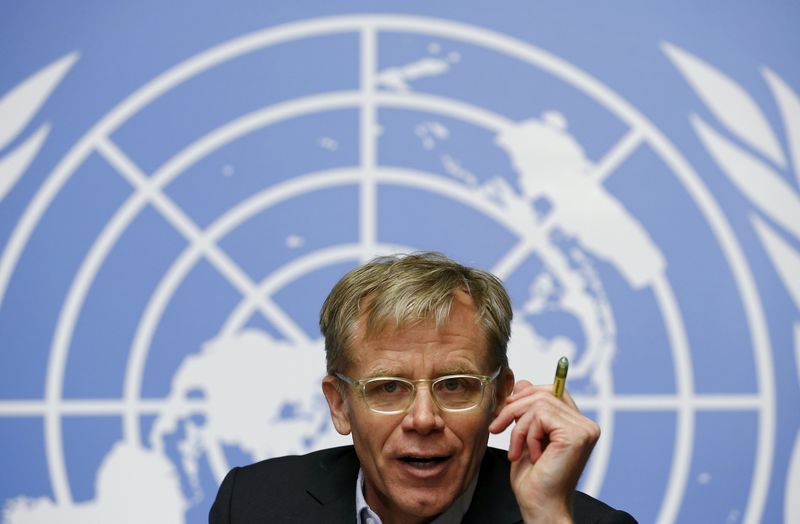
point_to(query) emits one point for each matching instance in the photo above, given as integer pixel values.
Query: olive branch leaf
(789, 106)
(17, 109)
(753, 171)
(797, 361)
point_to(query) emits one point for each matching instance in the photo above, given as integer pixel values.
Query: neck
(389, 513)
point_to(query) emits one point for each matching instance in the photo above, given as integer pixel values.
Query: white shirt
(452, 515)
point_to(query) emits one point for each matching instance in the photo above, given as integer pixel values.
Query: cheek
(371, 433)
(473, 433)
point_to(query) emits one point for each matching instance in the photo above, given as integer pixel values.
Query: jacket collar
(494, 500)
(334, 488)
(334, 484)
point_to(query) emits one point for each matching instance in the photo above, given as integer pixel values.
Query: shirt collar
(452, 515)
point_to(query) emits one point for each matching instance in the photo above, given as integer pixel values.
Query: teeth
(423, 462)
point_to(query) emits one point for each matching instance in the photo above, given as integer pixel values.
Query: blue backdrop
(181, 184)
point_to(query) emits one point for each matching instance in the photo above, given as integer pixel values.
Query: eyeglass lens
(449, 393)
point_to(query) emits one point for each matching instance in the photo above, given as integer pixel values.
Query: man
(417, 372)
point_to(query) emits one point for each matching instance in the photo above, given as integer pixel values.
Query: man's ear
(340, 413)
(505, 385)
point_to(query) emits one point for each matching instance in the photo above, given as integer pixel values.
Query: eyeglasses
(393, 395)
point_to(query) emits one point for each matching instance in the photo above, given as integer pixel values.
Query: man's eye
(390, 387)
(386, 387)
(452, 384)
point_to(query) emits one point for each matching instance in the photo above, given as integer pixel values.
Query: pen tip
(562, 367)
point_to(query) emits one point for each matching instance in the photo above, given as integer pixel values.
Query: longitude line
(617, 154)
(512, 259)
(368, 142)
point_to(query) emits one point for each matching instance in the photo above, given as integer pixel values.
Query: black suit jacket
(320, 487)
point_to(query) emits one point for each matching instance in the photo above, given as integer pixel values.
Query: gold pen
(561, 377)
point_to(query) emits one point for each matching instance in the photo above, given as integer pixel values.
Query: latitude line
(616, 155)
(192, 233)
(89, 407)
(153, 406)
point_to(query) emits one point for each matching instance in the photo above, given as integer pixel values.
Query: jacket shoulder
(588, 509)
(284, 489)
(278, 469)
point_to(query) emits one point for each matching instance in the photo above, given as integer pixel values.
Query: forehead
(422, 346)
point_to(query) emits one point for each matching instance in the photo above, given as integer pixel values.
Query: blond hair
(400, 290)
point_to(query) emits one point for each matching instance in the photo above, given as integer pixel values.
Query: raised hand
(550, 444)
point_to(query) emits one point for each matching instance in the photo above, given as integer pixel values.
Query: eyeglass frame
(361, 385)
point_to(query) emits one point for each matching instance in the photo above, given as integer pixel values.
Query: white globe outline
(224, 134)
(367, 25)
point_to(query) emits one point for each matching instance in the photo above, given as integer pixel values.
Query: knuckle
(542, 397)
(593, 431)
(517, 435)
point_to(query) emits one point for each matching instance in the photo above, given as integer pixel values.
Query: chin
(426, 502)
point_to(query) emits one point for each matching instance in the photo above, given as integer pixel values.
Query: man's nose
(424, 416)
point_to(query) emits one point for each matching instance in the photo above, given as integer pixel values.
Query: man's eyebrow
(382, 372)
(459, 369)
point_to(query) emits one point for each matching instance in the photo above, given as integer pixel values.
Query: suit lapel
(333, 489)
(494, 500)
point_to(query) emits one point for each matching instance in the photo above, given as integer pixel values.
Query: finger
(570, 401)
(499, 425)
(516, 442)
(518, 406)
(530, 389)
(520, 388)
(525, 395)
(537, 439)
(524, 411)
(511, 412)
(525, 391)
(527, 426)
(543, 416)
(524, 388)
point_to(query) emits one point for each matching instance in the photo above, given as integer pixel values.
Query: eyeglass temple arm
(346, 379)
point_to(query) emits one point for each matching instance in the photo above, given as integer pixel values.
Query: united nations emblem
(205, 217)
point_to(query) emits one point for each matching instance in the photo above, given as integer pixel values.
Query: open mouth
(423, 462)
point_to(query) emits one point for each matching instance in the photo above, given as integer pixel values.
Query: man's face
(416, 463)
